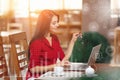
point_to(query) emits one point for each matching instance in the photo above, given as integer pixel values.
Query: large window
(55, 4)
(73, 4)
(115, 8)
(4, 6)
(22, 7)
(48, 4)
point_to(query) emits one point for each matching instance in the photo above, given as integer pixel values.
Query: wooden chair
(12, 28)
(3, 65)
(19, 57)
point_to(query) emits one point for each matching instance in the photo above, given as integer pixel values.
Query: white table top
(66, 76)
(73, 71)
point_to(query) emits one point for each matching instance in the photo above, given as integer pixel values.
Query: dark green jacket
(83, 46)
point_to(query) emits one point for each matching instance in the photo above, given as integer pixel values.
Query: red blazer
(42, 54)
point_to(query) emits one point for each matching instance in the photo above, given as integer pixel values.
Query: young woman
(44, 48)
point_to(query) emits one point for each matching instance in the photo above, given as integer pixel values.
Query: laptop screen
(91, 60)
(94, 54)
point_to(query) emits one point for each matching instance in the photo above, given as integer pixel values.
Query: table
(67, 76)
(104, 72)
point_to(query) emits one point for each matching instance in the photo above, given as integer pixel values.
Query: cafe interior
(97, 20)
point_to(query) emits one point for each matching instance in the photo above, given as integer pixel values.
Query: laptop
(91, 60)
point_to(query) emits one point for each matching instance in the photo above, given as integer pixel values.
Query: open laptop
(91, 60)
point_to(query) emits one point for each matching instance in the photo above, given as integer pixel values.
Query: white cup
(58, 70)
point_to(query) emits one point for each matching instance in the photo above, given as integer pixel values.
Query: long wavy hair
(43, 25)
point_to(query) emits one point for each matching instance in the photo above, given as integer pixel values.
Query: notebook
(91, 60)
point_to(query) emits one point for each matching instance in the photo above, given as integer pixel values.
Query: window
(36, 5)
(21, 8)
(115, 8)
(4, 6)
(73, 4)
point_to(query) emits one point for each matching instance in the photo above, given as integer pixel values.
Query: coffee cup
(58, 70)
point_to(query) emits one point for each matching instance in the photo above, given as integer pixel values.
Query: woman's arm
(69, 51)
(42, 69)
(71, 44)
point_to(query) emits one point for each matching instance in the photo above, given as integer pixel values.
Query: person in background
(44, 48)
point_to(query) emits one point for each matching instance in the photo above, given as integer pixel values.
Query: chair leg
(12, 71)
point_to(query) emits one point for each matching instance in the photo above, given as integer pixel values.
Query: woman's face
(54, 24)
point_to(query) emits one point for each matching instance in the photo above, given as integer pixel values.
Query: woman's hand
(75, 36)
(63, 63)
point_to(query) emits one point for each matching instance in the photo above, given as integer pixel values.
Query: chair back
(19, 55)
(3, 64)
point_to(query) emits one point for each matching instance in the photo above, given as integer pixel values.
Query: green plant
(83, 46)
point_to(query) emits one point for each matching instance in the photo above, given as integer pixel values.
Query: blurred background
(102, 16)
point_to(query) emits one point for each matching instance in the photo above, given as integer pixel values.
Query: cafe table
(66, 76)
(103, 72)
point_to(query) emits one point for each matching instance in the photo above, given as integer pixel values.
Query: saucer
(58, 74)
